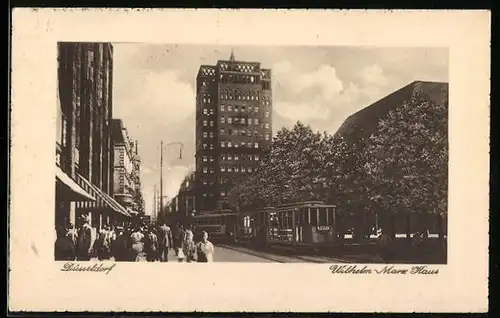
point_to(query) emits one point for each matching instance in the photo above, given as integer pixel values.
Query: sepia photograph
(251, 153)
(252, 161)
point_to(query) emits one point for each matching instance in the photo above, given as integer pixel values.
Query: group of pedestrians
(132, 243)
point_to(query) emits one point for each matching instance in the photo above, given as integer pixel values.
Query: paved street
(222, 254)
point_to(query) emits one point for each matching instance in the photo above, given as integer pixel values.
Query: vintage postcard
(329, 161)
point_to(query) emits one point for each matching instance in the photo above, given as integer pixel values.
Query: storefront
(104, 211)
(68, 192)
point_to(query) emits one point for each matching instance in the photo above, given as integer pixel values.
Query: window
(205, 111)
(222, 108)
(243, 121)
(211, 170)
(222, 144)
(250, 169)
(243, 132)
(205, 123)
(256, 145)
(205, 146)
(205, 158)
(236, 157)
(236, 109)
(236, 169)
(222, 194)
(223, 168)
(242, 109)
(211, 123)
(222, 120)
(211, 158)
(205, 169)
(236, 119)
(243, 169)
(229, 108)
(256, 157)
(243, 144)
(211, 111)
(229, 169)
(229, 157)
(266, 125)
(229, 144)
(211, 146)
(205, 134)
(267, 114)
(235, 145)
(249, 109)
(249, 133)
(251, 79)
(267, 136)
(205, 182)
(229, 120)
(256, 121)
(256, 109)
(205, 195)
(222, 131)
(211, 135)
(249, 145)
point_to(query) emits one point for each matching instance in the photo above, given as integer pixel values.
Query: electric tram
(301, 224)
(220, 225)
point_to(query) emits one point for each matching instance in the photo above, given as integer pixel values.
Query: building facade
(84, 151)
(233, 127)
(127, 165)
(182, 206)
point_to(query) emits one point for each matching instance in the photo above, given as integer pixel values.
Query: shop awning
(81, 194)
(103, 199)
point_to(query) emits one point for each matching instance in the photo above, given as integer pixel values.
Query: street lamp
(161, 166)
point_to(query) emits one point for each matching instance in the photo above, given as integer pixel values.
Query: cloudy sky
(154, 91)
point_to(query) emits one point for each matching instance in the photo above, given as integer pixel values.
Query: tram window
(314, 216)
(322, 216)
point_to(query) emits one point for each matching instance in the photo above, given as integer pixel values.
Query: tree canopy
(401, 166)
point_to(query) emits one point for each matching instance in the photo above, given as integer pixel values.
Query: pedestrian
(119, 247)
(189, 248)
(84, 245)
(178, 237)
(165, 241)
(137, 244)
(64, 247)
(99, 244)
(151, 247)
(72, 234)
(204, 249)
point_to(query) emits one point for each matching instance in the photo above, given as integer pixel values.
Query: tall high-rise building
(233, 127)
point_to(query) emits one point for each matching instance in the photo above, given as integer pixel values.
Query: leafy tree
(407, 158)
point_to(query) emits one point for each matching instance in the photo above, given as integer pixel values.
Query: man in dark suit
(164, 241)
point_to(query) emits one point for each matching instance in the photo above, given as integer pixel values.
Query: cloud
(161, 96)
(301, 111)
(373, 75)
(304, 95)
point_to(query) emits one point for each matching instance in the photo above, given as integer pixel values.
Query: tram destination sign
(323, 228)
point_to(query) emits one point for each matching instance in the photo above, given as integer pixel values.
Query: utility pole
(161, 177)
(155, 214)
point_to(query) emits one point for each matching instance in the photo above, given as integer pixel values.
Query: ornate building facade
(127, 169)
(233, 127)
